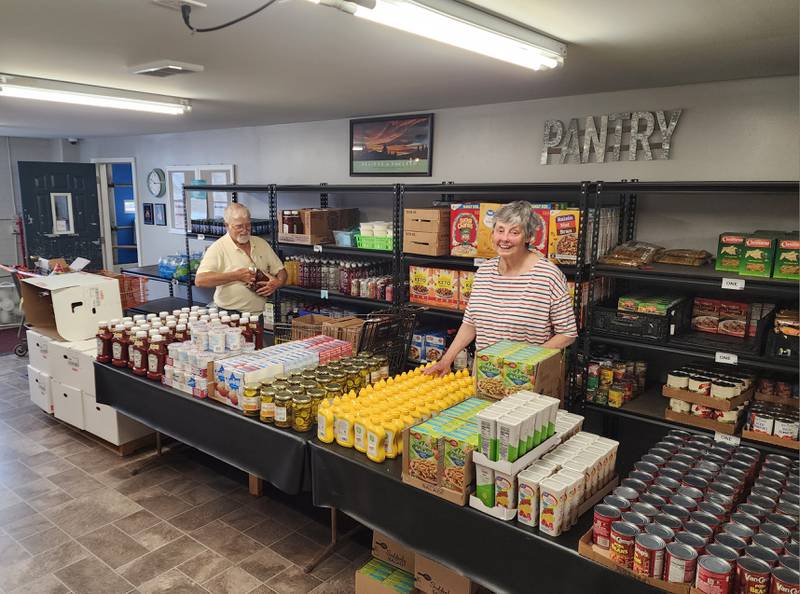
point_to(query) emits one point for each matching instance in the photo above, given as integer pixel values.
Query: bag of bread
(632, 253)
(684, 257)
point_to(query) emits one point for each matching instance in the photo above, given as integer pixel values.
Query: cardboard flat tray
(590, 551)
(715, 403)
(514, 468)
(771, 439)
(776, 399)
(696, 421)
(439, 491)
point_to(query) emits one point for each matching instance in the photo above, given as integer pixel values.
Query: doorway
(119, 207)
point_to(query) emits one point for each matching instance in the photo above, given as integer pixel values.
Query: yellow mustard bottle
(376, 440)
(344, 428)
(325, 422)
(394, 432)
(360, 433)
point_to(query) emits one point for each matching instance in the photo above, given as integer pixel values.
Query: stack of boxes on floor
(395, 568)
(60, 372)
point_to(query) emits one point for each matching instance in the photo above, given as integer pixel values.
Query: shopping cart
(21, 348)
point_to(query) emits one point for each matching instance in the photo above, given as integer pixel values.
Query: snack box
(485, 225)
(435, 345)
(758, 255)
(420, 287)
(705, 315)
(519, 369)
(629, 302)
(424, 453)
(489, 365)
(416, 351)
(787, 257)
(465, 280)
(658, 305)
(464, 218)
(444, 286)
(733, 318)
(729, 251)
(562, 244)
(457, 447)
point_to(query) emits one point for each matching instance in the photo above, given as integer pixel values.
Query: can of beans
(685, 502)
(696, 481)
(754, 510)
(669, 521)
(678, 511)
(636, 484)
(782, 533)
(652, 500)
(769, 556)
(697, 542)
(646, 467)
(766, 491)
(705, 518)
(714, 575)
(752, 576)
(789, 509)
(789, 561)
(767, 503)
(620, 503)
(768, 541)
(702, 530)
(793, 550)
(658, 461)
(710, 464)
(621, 543)
(631, 495)
(690, 492)
(662, 492)
(745, 533)
(677, 466)
(680, 561)
(668, 483)
(746, 519)
(784, 581)
(643, 476)
(665, 533)
(647, 510)
(604, 516)
(635, 518)
(732, 541)
(673, 473)
(722, 552)
(648, 555)
(714, 509)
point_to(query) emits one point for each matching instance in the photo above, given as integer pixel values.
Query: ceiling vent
(164, 68)
(176, 4)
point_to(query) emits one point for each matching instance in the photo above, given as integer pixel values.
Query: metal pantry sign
(646, 131)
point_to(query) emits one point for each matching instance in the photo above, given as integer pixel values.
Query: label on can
(714, 575)
(752, 576)
(604, 515)
(622, 541)
(648, 556)
(679, 563)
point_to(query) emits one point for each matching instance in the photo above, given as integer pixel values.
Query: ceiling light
(463, 26)
(77, 94)
(162, 68)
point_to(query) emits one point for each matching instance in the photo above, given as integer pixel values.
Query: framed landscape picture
(148, 213)
(160, 214)
(392, 145)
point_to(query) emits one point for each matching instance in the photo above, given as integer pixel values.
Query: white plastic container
(487, 421)
(508, 430)
(367, 230)
(505, 492)
(552, 503)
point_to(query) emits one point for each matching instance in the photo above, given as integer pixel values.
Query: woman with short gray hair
(519, 295)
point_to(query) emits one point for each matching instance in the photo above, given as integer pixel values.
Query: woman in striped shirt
(520, 295)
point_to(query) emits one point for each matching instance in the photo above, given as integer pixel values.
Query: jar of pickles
(317, 395)
(302, 414)
(362, 368)
(309, 384)
(379, 368)
(267, 413)
(351, 378)
(283, 409)
(295, 382)
(340, 377)
(322, 377)
(251, 400)
(333, 390)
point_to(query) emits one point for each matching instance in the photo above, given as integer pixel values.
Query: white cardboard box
(39, 341)
(68, 404)
(72, 364)
(71, 304)
(107, 423)
(39, 385)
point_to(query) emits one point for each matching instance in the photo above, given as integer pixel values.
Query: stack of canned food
(611, 382)
(292, 401)
(773, 419)
(776, 388)
(701, 512)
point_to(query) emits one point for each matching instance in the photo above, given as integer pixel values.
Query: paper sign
(728, 358)
(725, 438)
(478, 261)
(201, 237)
(734, 284)
(78, 264)
(323, 294)
(317, 248)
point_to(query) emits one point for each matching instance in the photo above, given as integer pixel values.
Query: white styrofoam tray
(514, 468)
(501, 513)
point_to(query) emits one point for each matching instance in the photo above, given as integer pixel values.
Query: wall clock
(157, 182)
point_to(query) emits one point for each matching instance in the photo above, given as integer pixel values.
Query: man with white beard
(244, 269)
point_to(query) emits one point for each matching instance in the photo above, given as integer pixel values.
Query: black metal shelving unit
(643, 417)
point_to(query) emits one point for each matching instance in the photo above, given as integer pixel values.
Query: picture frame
(160, 214)
(147, 208)
(396, 146)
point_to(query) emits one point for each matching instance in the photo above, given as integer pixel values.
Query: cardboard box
(562, 244)
(490, 364)
(542, 237)
(426, 243)
(758, 255)
(787, 258)
(729, 251)
(435, 345)
(378, 577)
(71, 304)
(391, 551)
(705, 315)
(434, 578)
(430, 220)
(465, 280)
(39, 341)
(485, 226)
(72, 364)
(464, 219)
(733, 318)
(416, 352)
(319, 225)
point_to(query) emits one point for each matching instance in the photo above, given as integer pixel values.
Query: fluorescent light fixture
(163, 68)
(463, 26)
(77, 94)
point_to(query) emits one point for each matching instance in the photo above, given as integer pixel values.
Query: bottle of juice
(325, 416)
(376, 440)
(103, 337)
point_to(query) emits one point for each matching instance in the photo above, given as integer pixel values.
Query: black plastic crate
(751, 345)
(607, 319)
(783, 347)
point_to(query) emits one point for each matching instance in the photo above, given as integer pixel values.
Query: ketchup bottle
(258, 334)
(247, 333)
(139, 357)
(119, 347)
(132, 338)
(104, 337)
(156, 357)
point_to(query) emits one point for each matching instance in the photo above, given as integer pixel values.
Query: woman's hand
(440, 368)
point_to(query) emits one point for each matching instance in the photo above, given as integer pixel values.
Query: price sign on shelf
(478, 261)
(734, 284)
(323, 293)
(201, 237)
(317, 248)
(725, 438)
(728, 358)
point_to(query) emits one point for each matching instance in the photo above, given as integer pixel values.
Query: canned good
(637, 519)
(666, 533)
(620, 503)
(652, 500)
(782, 533)
(251, 400)
(786, 428)
(647, 478)
(784, 581)
(626, 492)
(752, 576)
(793, 549)
(762, 501)
(658, 461)
(636, 484)
(686, 502)
(604, 516)
(646, 467)
(673, 473)
(714, 509)
(648, 555)
(768, 541)
(714, 575)
(669, 521)
(705, 518)
(697, 542)
(622, 543)
(731, 541)
(746, 519)
(680, 561)
(698, 483)
(754, 510)
(740, 531)
(647, 510)
(702, 530)
(669, 483)
(720, 551)
(677, 511)
(660, 491)
(690, 492)
(762, 553)
(616, 395)
(788, 561)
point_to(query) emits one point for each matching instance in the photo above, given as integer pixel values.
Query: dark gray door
(60, 212)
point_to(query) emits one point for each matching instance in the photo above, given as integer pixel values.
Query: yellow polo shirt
(224, 255)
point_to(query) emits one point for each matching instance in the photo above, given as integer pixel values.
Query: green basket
(366, 242)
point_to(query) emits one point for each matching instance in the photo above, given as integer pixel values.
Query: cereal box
(489, 364)
(485, 225)
(787, 258)
(416, 352)
(518, 370)
(729, 251)
(424, 453)
(757, 257)
(465, 280)
(444, 286)
(562, 246)
(464, 229)
(540, 240)
(419, 280)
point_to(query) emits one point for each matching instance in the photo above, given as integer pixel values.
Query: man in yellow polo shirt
(230, 263)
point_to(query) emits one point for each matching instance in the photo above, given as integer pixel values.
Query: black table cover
(503, 556)
(276, 455)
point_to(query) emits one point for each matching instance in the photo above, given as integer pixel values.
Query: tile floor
(74, 519)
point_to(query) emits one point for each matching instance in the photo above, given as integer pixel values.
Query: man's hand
(244, 275)
(268, 287)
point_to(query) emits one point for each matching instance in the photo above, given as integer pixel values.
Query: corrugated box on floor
(39, 341)
(72, 364)
(391, 551)
(378, 577)
(434, 578)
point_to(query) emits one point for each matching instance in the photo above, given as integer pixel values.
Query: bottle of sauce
(166, 336)
(156, 357)
(172, 327)
(235, 320)
(104, 337)
(325, 416)
(181, 333)
(131, 338)
(247, 333)
(257, 331)
(119, 347)
(139, 357)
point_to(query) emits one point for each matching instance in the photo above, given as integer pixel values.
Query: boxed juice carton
(787, 257)
(758, 255)
(729, 251)
(464, 218)
(485, 226)
(445, 287)
(562, 245)
(465, 280)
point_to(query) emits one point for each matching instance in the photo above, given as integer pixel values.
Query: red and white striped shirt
(531, 307)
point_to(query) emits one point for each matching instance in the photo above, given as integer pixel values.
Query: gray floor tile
(50, 500)
(90, 512)
(23, 572)
(293, 580)
(296, 548)
(268, 532)
(44, 541)
(330, 567)
(27, 526)
(343, 582)
(204, 566)
(48, 584)
(203, 514)
(265, 564)
(75, 482)
(91, 576)
(157, 536)
(16, 474)
(157, 562)
(137, 521)
(172, 582)
(232, 581)
(160, 503)
(243, 518)
(112, 545)
(10, 551)
(226, 541)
